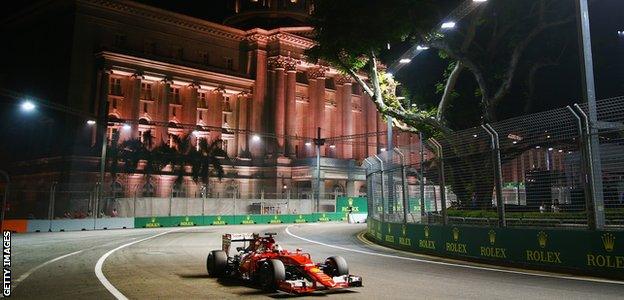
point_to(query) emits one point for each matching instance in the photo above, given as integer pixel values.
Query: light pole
(6, 195)
(596, 218)
(318, 141)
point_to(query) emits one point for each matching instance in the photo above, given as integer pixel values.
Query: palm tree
(204, 160)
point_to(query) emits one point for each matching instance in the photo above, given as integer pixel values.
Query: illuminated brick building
(177, 75)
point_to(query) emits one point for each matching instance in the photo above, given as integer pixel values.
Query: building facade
(253, 88)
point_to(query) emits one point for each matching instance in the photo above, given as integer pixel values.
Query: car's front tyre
(336, 266)
(271, 272)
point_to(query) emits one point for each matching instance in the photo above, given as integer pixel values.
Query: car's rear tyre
(272, 271)
(336, 266)
(216, 263)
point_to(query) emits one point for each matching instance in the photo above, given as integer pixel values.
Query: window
(224, 145)
(146, 91)
(120, 40)
(226, 103)
(201, 115)
(229, 63)
(175, 95)
(203, 103)
(225, 119)
(178, 190)
(173, 111)
(144, 107)
(115, 86)
(148, 190)
(172, 142)
(112, 133)
(114, 104)
(205, 58)
(117, 190)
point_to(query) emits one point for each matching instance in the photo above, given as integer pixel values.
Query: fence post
(422, 176)
(204, 195)
(383, 208)
(593, 185)
(498, 174)
(99, 192)
(438, 147)
(369, 188)
(51, 204)
(405, 185)
(170, 200)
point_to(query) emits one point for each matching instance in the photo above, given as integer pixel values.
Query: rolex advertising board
(351, 204)
(592, 252)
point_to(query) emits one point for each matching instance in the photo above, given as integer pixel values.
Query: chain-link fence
(54, 201)
(554, 168)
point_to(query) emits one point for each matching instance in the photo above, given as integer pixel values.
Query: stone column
(346, 110)
(351, 188)
(316, 92)
(244, 109)
(163, 109)
(278, 66)
(291, 106)
(101, 105)
(189, 106)
(135, 103)
(259, 95)
(215, 113)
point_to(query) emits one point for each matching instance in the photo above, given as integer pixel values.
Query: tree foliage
(182, 157)
(495, 42)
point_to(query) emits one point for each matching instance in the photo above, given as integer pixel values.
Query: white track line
(25, 275)
(98, 266)
(29, 272)
(456, 265)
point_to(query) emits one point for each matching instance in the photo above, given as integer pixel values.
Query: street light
(448, 25)
(405, 60)
(126, 126)
(90, 122)
(28, 106)
(308, 144)
(255, 138)
(422, 48)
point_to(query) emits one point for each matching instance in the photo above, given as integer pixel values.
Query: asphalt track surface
(169, 263)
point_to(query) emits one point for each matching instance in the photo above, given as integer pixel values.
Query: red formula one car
(263, 261)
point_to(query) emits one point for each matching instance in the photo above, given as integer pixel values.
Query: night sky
(562, 88)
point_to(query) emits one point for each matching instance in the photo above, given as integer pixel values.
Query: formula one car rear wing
(228, 238)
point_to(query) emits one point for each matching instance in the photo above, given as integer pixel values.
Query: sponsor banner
(591, 252)
(15, 225)
(175, 221)
(218, 220)
(353, 204)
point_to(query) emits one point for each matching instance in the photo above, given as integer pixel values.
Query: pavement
(170, 263)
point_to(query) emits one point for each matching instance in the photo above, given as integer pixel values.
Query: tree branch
(517, 54)
(448, 90)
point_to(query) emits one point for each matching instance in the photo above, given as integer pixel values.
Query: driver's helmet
(277, 248)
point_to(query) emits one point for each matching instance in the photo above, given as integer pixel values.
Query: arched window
(230, 191)
(363, 190)
(117, 190)
(178, 190)
(338, 190)
(148, 190)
